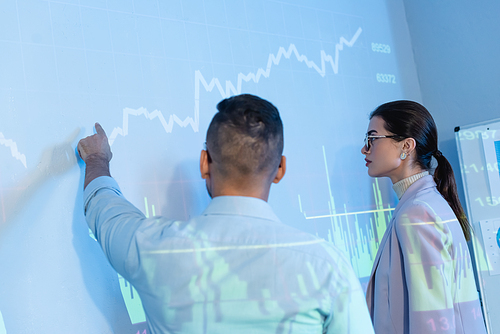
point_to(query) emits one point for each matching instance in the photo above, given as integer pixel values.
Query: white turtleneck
(401, 186)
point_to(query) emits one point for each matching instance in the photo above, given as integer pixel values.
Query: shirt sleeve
(349, 312)
(426, 245)
(114, 222)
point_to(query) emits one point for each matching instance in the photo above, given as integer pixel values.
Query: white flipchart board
(479, 154)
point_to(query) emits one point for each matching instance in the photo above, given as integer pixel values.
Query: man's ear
(281, 170)
(204, 165)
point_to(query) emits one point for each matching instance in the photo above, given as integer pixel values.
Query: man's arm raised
(96, 153)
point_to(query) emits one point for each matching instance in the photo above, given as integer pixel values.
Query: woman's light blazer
(422, 279)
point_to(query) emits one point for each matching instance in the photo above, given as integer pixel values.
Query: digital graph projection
(9, 143)
(230, 89)
(151, 73)
(358, 234)
(2, 326)
(132, 301)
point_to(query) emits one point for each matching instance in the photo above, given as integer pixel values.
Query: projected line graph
(275, 60)
(348, 213)
(131, 297)
(358, 233)
(231, 89)
(13, 149)
(167, 125)
(132, 301)
(2, 325)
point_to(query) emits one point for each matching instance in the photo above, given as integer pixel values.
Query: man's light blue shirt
(234, 269)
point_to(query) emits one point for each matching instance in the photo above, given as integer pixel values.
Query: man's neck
(257, 192)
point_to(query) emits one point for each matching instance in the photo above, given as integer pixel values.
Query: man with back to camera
(236, 268)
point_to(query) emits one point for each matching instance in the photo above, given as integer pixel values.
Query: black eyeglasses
(369, 140)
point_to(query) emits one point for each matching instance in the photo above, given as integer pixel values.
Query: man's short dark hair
(245, 137)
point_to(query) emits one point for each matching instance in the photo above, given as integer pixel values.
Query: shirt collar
(401, 186)
(421, 184)
(241, 206)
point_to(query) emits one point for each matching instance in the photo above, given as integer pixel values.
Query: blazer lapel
(382, 244)
(369, 288)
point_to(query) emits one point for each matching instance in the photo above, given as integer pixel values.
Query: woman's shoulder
(423, 195)
(427, 216)
(425, 205)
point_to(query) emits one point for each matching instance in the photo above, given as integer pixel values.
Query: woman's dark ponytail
(409, 119)
(445, 181)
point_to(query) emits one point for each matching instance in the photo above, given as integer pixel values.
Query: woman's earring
(403, 156)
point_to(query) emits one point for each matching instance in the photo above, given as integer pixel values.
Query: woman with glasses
(422, 279)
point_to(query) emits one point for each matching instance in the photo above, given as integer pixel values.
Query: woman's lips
(367, 162)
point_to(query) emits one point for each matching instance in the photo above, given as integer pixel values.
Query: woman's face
(383, 157)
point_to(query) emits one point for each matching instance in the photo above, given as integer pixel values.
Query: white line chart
(13, 149)
(231, 89)
(123, 131)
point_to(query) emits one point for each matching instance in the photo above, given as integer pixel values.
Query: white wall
(456, 49)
